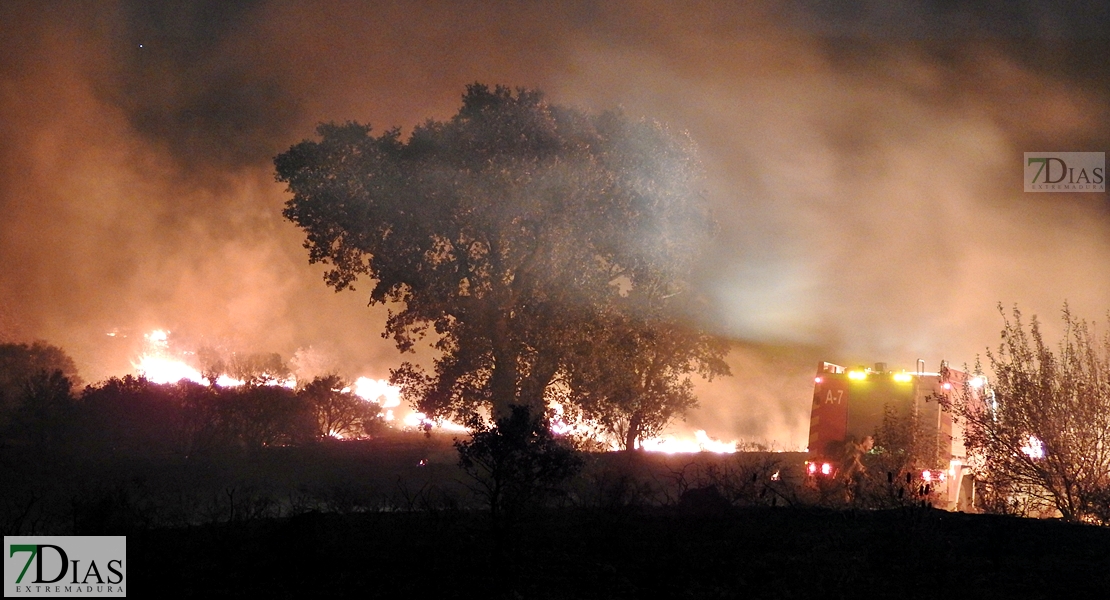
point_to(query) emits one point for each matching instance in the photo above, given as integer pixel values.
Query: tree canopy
(338, 411)
(504, 230)
(630, 370)
(20, 361)
(24, 371)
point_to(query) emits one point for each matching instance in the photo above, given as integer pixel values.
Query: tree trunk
(633, 432)
(535, 385)
(503, 381)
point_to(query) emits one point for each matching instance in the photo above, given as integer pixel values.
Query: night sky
(864, 165)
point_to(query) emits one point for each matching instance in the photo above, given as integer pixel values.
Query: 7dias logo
(87, 566)
(1065, 171)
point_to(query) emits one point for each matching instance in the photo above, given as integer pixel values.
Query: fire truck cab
(848, 408)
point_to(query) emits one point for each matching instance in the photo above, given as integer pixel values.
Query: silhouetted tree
(502, 230)
(22, 363)
(44, 411)
(131, 416)
(338, 411)
(266, 415)
(201, 424)
(631, 370)
(1039, 433)
(884, 470)
(517, 462)
(907, 442)
(256, 368)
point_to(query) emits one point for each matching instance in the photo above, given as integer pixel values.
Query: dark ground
(744, 553)
(392, 517)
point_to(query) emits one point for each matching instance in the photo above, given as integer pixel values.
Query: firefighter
(852, 471)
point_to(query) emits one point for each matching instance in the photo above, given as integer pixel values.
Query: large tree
(503, 229)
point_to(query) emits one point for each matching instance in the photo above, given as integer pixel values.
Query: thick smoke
(864, 164)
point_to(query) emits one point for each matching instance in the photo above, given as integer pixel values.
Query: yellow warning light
(903, 377)
(857, 375)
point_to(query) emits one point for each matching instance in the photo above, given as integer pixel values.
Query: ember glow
(378, 390)
(159, 369)
(388, 396)
(559, 424)
(1033, 448)
(418, 420)
(159, 364)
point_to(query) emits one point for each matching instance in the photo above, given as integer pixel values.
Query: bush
(516, 463)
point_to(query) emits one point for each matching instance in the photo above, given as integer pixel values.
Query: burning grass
(161, 363)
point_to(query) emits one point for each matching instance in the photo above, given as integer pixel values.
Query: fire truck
(848, 409)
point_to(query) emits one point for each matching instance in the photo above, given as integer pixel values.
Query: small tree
(131, 416)
(22, 363)
(630, 373)
(264, 415)
(258, 368)
(45, 410)
(884, 470)
(339, 413)
(908, 442)
(1040, 435)
(516, 462)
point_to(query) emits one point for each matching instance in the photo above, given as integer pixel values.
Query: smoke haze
(864, 164)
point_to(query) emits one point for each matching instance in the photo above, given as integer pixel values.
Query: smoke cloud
(864, 163)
